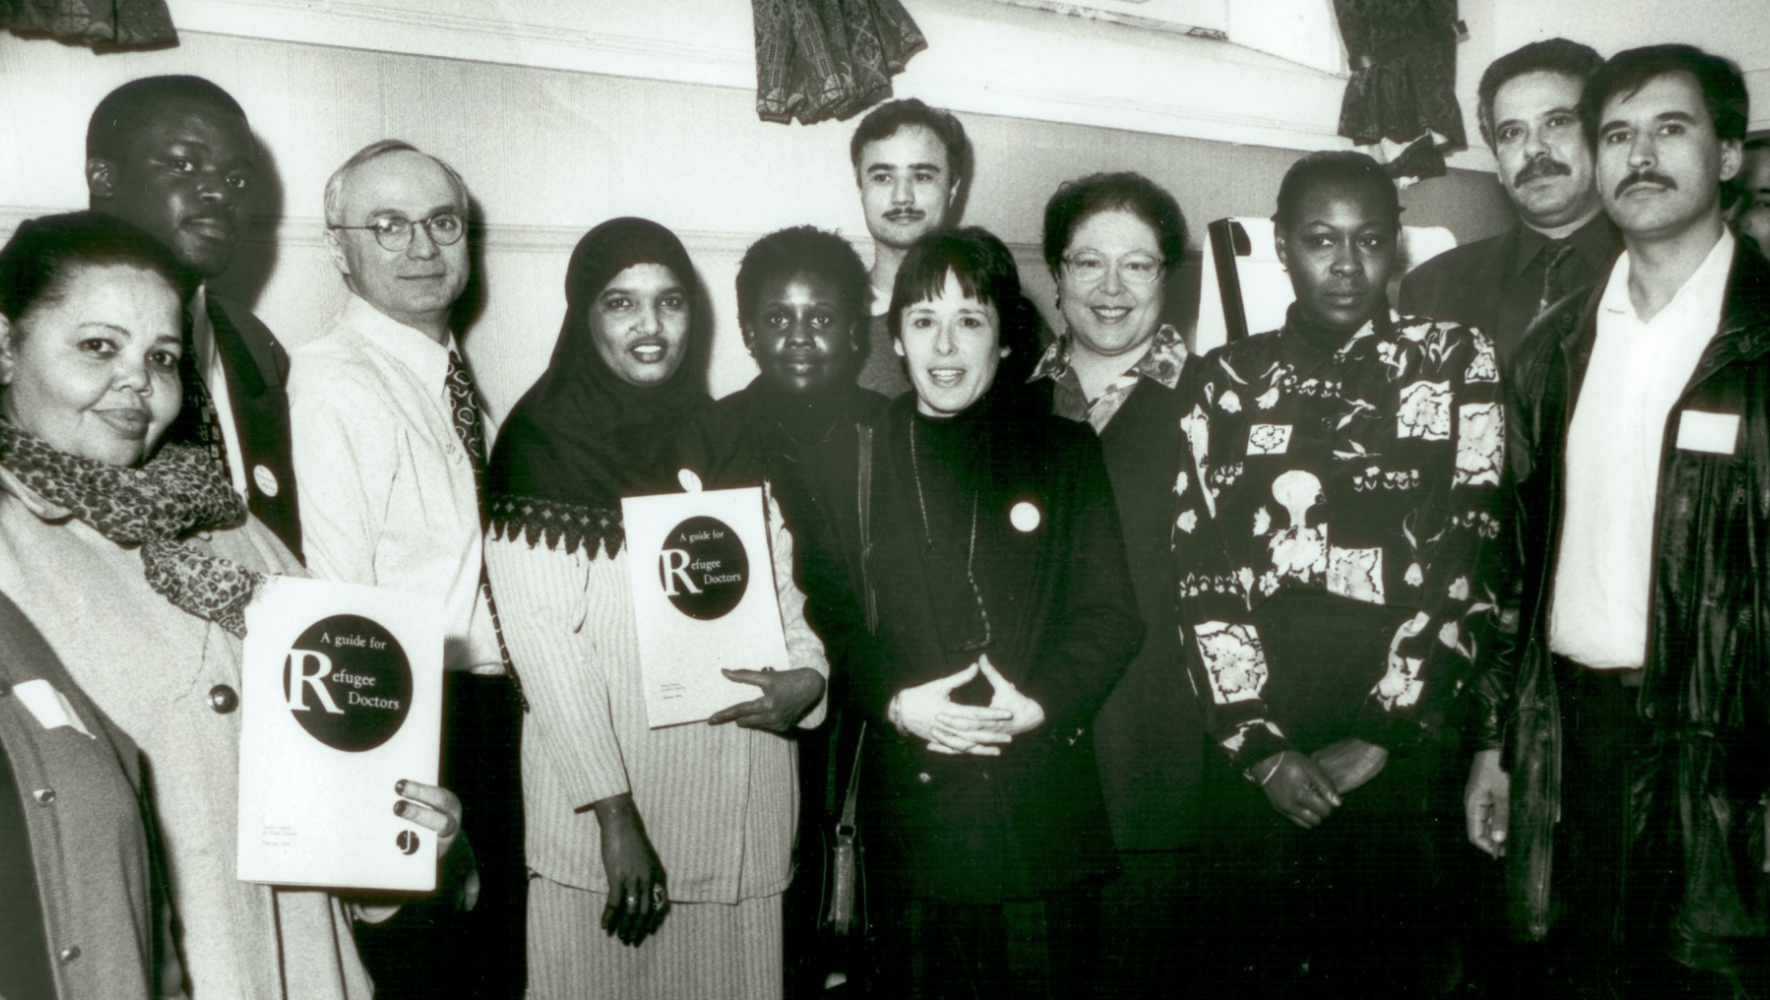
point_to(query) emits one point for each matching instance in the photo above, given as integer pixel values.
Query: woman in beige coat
(136, 561)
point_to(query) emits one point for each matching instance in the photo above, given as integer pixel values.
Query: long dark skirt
(1041, 949)
(1354, 907)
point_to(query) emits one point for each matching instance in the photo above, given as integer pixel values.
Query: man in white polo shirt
(1626, 724)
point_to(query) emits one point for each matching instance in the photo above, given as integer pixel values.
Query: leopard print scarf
(154, 506)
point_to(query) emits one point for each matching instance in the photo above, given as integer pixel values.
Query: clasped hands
(1306, 788)
(928, 713)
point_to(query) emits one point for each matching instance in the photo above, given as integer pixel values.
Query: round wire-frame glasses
(394, 232)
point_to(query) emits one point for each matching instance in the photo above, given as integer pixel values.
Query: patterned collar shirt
(1371, 472)
(1160, 363)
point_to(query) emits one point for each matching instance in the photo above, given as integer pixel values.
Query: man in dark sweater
(175, 156)
(911, 164)
(1528, 108)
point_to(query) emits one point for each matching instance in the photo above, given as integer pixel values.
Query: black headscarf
(583, 437)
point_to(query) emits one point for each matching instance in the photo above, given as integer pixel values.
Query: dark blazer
(1496, 285)
(1149, 735)
(257, 368)
(1065, 623)
(78, 860)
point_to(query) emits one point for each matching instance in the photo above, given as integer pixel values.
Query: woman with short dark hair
(136, 561)
(1335, 579)
(1112, 242)
(805, 429)
(1005, 616)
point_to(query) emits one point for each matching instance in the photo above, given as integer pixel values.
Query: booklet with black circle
(703, 599)
(341, 699)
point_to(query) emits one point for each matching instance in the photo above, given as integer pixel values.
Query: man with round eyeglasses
(390, 449)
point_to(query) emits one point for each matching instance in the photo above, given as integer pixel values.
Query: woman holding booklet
(136, 560)
(660, 854)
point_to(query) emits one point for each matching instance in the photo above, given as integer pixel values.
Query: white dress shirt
(215, 380)
(1638, 371)
(387, 489)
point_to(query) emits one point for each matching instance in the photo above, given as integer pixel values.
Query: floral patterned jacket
(1374, 475)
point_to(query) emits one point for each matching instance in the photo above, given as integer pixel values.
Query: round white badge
(1024, 516)
(265, 480)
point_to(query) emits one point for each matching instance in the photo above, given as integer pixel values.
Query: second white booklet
(703, 599)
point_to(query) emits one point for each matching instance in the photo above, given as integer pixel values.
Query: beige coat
(153, 669)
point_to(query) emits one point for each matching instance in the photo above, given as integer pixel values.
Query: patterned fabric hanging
(1403, 87)
(822, 59)
(101, 24)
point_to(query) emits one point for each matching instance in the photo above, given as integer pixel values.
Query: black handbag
(842, 910)
(841, 914)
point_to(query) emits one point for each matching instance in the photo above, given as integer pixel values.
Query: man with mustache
(1527, 106)
(911, 163)
(1624, 773)
(174, 155)
(390, 450)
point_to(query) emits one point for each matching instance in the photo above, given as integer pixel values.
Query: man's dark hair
(122, 112)
(1337, 166)
(46, 252)
(1719, 79)
(1555, 55)
(986, 272)
(802, 250)
(883, 122)
(1734, 193)
(1078, 200)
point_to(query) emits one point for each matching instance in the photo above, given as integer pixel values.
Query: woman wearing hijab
(1005, 617)
(675, 842)
(136, 562)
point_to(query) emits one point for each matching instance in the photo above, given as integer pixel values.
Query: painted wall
(549, 152)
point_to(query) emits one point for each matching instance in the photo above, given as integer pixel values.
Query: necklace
(970, 551)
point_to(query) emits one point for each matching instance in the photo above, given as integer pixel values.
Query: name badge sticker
(49, 706)
(1715, 433)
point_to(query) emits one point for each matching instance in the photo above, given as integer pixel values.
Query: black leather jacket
(1698, 804)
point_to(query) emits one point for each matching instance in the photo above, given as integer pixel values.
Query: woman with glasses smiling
(1112, 241)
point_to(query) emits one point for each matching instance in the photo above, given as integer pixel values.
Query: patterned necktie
(197, 422)
(1553, 287)
(470, 428)
(468, 425)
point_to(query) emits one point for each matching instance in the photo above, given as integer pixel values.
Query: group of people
(1137, 672)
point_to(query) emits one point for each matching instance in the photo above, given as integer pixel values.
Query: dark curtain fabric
(1404, 74)
(822, 59)
(98, 23)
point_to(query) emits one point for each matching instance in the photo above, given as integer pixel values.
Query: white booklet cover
(341, 699)
(703, 599)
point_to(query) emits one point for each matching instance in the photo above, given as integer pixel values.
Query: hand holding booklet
(704, 599)
(341, 700)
